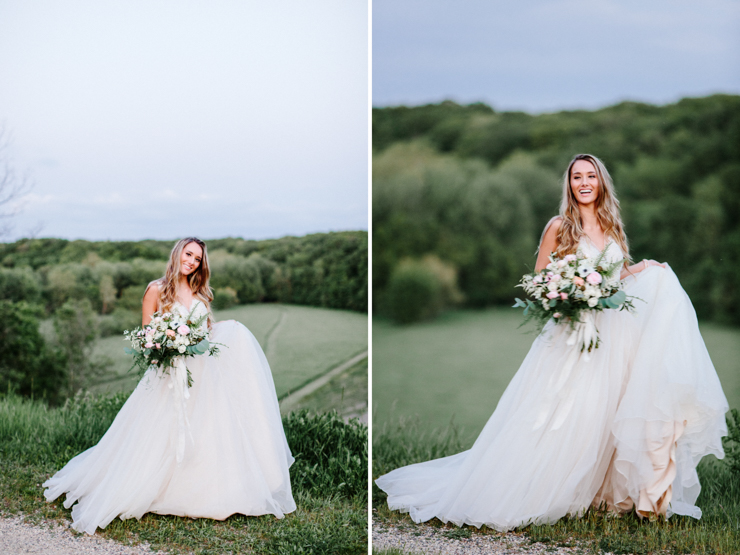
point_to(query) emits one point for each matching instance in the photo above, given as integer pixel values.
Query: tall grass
(717, 532)
(329, 479)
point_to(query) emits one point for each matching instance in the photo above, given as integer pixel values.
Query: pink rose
(158, 346)
(556, 277)
(183, 330)
(578, 281)
(570, 258)
(552, 295)
(557, 315)
(564, 296)
(170, 333)
(594, 278)
(148, 345)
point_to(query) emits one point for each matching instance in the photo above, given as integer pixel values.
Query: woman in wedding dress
(623, 428)
(211, 450)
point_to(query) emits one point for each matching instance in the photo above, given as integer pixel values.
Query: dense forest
(461, 195)
(91, 289)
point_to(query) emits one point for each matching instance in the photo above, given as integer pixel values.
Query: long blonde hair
(607, 211)
(198, 280)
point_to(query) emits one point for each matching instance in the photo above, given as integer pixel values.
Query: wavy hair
(607, 211)
(198, 280)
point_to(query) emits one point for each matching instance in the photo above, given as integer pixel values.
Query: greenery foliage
(475, 187)
(330, 455)
(419, 289)
(327, 270)
(731, 441)
(28, 366)
(76, 329)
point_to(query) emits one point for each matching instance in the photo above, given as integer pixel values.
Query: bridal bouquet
(571, 290)
(167, 337)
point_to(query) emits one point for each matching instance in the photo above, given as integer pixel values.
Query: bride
(625, 429)
(210, 451)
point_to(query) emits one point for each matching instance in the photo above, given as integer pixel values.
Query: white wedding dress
(219, 452)
(626, 428)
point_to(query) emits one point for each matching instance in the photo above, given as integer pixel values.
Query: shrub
(28, 365)
(731, 441)
(413, 294)
(238, 273)
(76, 329)
(330, 455)
(131, 298)
(118, 321)
(420, 289)
(224, 297)
(20, 284)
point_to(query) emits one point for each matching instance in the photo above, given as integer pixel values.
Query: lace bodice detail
(613, 251)
(197, 307)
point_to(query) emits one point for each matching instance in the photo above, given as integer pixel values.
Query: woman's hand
(639, 267)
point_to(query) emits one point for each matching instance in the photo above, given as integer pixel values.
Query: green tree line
(92, 288)
(468, 190)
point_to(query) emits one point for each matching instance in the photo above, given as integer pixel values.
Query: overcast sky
(215, 118)
(549, 55)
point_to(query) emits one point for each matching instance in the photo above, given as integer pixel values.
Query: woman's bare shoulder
(153, 289)
(554, 224)
(550, 233)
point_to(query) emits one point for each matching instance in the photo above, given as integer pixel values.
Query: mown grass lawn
(455, 368)
(300, 342)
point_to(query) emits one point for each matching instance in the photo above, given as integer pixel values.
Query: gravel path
(18, 537)
(421, 538)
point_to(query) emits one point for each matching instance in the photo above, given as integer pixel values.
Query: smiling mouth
(585, 191)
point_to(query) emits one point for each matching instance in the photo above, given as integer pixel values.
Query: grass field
(456, 367)
(300, 342)
(345, 393)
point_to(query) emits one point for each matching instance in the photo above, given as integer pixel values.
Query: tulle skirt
(624, 429)
(234, 457)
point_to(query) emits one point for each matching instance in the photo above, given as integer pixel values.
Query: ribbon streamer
(180, 394)
(561, 397)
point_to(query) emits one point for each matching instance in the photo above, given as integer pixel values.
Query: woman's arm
(149, 304)
(639, 267)
(549, 244)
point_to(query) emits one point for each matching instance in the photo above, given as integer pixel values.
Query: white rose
(552, 286)
(181, 348)
(592, 302)
(591, 291)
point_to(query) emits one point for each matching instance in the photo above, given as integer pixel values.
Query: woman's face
(190, 258)
(584, 182)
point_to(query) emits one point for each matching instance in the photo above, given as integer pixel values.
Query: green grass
(345, 393)
(456, 367)
(300, 342)
(329, 481)
(718, 532)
